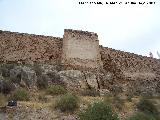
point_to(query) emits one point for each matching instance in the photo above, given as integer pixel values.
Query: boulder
(29, 77)
(48, 68)
(74, 79)
(24, 76)
(91, 80)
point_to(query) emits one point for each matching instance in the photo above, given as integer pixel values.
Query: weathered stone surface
(104, 92)
(48, 68)
(24, 76)
(80, 48)
(29, 76)
(27, 48)
(91, 80)
(73, 78)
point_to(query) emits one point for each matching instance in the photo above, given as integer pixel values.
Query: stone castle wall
(29, 48)
(77, 49)
(130, 64)
(103, 67)
(80, 49)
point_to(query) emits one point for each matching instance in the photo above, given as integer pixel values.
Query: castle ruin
(78, 50)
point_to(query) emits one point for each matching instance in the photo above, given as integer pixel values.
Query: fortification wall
(27, 48)
(130, 64)
(77, 49)
(80, 49)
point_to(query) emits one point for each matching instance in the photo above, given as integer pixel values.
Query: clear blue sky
(132, 28)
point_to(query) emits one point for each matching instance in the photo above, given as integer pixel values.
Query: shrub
(20, 94)
(141, 116)
(129, 98)
(90, 92)
(5, 69)
(147, 106)
(6, 86)
(67, 103)
(16, 79)
(2, 100)
(98, 111)
(42, 82)
(37, 68)
(56, 90)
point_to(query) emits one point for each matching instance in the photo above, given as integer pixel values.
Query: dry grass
(35, 105)
(128, 107)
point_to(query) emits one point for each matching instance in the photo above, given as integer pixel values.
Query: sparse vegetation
(42, 98)
(116, 102)
(90, 92)
(2, 100)
(56, 90)
(141, 116)
(42, 82)
(5, 69)
(98, 111)
(37, 68)
(129, 98)
(147, 106)
(20, 94)
(6, 86)
(67, 103)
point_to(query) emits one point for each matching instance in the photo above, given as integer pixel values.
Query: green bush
(147, 106)
(90, 92)
(56, 90)
(2, 100)
(67, 103)
(20, 94)
(98, 111)
(141, 116)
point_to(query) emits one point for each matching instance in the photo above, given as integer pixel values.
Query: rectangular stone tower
(80, 50)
